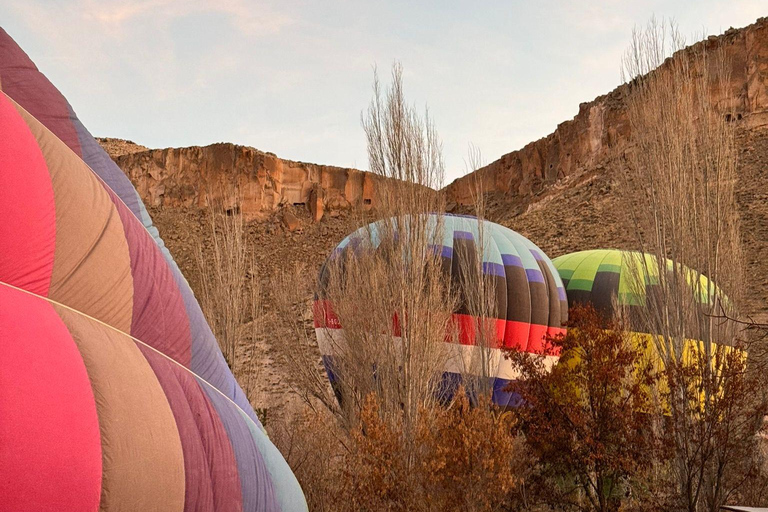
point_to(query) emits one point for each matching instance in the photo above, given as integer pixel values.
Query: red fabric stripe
(469, 327)
(159, 317)
(50, 446)
(536, 338)
(324, 316)
(27, 207)
(509, 334)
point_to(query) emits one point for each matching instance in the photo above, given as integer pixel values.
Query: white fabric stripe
(462, 359)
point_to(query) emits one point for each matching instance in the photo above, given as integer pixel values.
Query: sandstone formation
(587, 140)
(245, 179)
(118, 147)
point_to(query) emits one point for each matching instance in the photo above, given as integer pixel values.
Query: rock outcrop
(245, 179)
(118, 147)
(587, 140)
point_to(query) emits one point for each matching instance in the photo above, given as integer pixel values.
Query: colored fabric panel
(143, 462)
(198, 495)
(210, 471)
(21, 80)
(28, 226)
(529, 300)
(159, 318)
(255, 482)
(91, 268)
(283, 481)
(50, 449)
(106, 169)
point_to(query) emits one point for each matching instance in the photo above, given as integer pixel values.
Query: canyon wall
(245, 178)
(195, 176)
(588, 139)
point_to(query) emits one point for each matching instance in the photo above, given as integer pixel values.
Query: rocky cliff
(246, 179)
(586, 141)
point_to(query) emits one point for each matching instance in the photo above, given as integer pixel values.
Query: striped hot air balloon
(619, 284)
(530, 301)
(114, 393)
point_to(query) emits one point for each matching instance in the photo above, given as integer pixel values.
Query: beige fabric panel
(143, 463)
(92, 266)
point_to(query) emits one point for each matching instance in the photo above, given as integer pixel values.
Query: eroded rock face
(589, 138)
(245, 179)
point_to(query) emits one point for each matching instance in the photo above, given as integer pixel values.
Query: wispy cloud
(250, 18)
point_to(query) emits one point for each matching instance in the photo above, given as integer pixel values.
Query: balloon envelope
(528, 295)
(83, 276)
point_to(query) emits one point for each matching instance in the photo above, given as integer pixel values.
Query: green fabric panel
(586, 269)
(568, 261)
(581, 284)
(607, 267)
(633, 278)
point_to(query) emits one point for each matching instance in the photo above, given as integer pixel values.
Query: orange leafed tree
(586, 419)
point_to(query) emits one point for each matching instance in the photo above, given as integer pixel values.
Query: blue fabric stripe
(510, 260)
(493, 269)
(463, 235)
(534, 276)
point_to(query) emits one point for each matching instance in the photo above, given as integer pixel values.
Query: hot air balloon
(91, 303)
(619, 285)
(530, 300)
(22, 82)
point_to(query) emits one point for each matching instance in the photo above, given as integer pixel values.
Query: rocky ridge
(244, 178)
(587, 141)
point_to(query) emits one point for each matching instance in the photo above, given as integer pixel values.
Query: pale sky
(292, 77)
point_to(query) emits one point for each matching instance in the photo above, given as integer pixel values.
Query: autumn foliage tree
(587, 419)
(470, 458)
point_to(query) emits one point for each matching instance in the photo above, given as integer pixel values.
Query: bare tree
(476, 291)
(679, 187)
(230, 290)
(387, 288)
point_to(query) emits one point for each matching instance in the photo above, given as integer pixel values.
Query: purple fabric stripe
(561, 293)
(255, 483)
(463, 235)
(493, 269)
(501, 396)
(511, 260)
(537, 255)
(98, 160)
(534, 276)
(444, 250)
